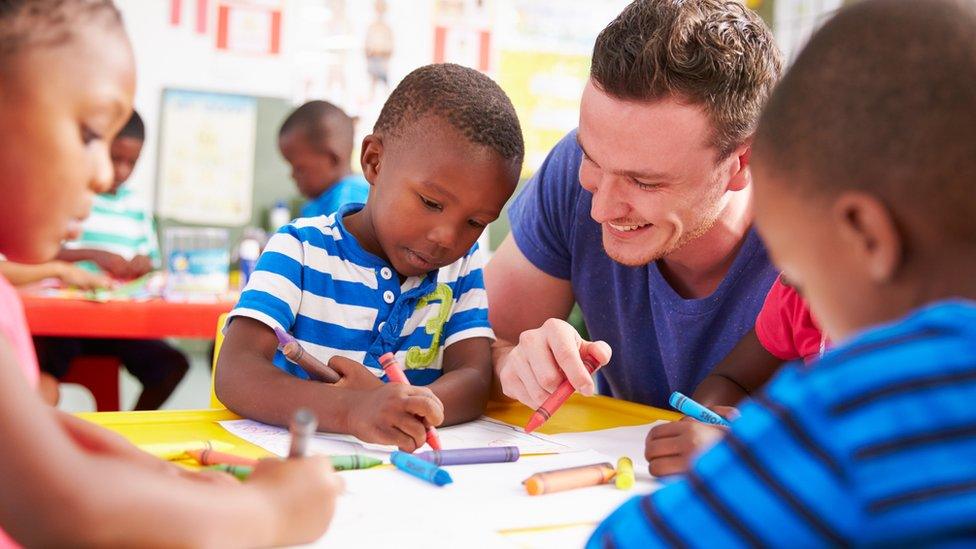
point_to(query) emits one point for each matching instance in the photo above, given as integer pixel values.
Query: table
(150, 319)
(578, 414)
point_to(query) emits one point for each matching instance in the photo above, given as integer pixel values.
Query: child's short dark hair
(883, 100)
(468, 100)
(48, 22)
(714, 53)
(325, 125)
(134, 128)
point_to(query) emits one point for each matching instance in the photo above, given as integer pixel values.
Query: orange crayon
(557, 398)
(567, 479)
(396, 375)
(213, 457)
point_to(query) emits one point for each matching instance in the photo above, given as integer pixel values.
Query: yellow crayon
(171, 451)
(625, 474)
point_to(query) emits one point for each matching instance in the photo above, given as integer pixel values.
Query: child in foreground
(67, 81)
(402, 274)
(865, 175)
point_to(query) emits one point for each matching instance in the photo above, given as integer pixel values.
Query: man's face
(657, 181)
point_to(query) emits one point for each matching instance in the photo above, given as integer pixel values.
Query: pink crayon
(396, 375)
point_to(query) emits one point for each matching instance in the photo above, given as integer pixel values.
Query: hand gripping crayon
(693, 409)
(213, 457)
(396, 375)
(302, 428)
(567, 479)
(466, 456)
(294, 352)
(239, 471)
(557, 398)
(624, 480)
(347, 463)
(413, 465)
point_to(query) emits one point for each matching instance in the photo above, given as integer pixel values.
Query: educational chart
(206, 157)
(479, 433)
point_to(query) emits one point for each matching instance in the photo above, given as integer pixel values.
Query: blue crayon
(691, 408)
(413, 465)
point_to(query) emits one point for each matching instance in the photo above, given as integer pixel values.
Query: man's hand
(396, 414)
(543, 358)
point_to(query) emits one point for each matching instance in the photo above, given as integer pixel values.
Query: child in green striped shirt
(119, 239)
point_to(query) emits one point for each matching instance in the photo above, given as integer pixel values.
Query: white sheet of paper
(479, 433)
(616, 442)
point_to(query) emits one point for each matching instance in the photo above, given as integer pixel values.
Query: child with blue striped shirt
(865, 175)
(401, 274)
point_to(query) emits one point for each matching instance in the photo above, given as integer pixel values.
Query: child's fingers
(663, 447)
(671, 429)
(424, 406)
(662, 467)
(409, 434)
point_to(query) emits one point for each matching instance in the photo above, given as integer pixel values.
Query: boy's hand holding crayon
(670, 447)
(396, 414)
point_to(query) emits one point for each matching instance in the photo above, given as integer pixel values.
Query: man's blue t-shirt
(661, 342)
(348, 190)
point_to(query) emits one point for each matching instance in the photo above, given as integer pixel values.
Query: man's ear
(741, 176)
(868, 228)
(370, 156)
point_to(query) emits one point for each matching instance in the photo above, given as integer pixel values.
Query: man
(642, 215)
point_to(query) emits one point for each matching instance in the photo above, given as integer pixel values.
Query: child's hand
(670, 447)
(354, 375)
(139, 266)
(396, 414)
(77, 277)
(302, 492)
(113, 264)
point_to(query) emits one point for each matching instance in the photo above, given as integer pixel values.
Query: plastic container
(248, 252)
(197, 263)
(279, 216)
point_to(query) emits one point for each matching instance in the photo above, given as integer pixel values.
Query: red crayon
(396, 375)
(557, 398)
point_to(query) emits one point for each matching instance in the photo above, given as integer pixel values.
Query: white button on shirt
(381, 325)
(388, 296)
(386, 273)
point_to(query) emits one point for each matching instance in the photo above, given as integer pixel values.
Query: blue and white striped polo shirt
(316, 282)
(874, 445)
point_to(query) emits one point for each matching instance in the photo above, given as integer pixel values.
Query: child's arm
(20, 274)
(744, 371)
(466, 382)
(670, 448)
(250, 384)
(112, 264)
(57, 492)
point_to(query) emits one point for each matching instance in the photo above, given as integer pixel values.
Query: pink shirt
(785, 326)
(13, 329)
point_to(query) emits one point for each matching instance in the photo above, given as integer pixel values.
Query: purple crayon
(294, 352)
(467, 456)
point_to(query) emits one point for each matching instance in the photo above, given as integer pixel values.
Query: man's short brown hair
(883, 100)
(714, 53)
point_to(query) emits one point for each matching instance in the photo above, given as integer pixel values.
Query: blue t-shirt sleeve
(469, 314)
(542, 215)
(776, 460)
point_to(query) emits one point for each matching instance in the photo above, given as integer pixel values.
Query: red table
(153, 319)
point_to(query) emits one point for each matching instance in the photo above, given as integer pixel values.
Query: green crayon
(346, 463)
(239, 471)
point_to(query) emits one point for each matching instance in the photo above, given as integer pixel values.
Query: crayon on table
(549, 482)
(213, 457)
(695, 410)
(177, 450)
(239, 471)
(557, 398)
(294, 352)
(347, 463)
(466, 456)
(396, 375)
(302, 428)
(624, 480)
(413, 465)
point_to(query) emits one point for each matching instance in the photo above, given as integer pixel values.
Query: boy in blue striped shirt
(401, 274)
(865, 173)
